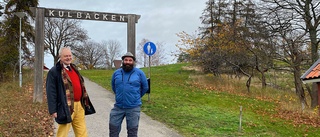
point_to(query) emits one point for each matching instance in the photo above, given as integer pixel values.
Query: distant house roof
(312, 74)
(45, 68)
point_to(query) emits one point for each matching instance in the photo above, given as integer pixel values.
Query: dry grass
(288, 104)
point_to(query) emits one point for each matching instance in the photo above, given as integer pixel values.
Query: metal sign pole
(149, 66)
(149, 79)
(149, 48)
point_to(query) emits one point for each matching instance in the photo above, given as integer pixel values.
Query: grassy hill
(196, 104)
(186, 100)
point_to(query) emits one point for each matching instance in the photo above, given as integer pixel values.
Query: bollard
(240, 119)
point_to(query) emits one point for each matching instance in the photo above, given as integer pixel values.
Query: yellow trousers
(78, 123)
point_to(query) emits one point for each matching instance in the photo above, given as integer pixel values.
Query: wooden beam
(40, 14)
(39, 56)
(131, 34)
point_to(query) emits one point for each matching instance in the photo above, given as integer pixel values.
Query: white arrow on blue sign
(149, 48)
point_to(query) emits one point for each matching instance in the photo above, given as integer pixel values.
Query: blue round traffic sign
(149, 48)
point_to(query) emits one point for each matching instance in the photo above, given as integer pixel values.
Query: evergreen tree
(9, 37)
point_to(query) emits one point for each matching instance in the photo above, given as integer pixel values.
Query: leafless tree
(305, 16)
(159, 58)
(112, 50)
(89, 54)
(142, 58)
(291, 43)
(61, 33)
(156, 59)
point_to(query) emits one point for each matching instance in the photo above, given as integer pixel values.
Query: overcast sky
(159, 22)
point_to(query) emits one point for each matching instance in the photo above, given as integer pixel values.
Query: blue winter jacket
(129, 87)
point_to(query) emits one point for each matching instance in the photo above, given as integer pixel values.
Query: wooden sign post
(40, 13)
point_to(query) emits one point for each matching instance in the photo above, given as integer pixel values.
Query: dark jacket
(56, 93)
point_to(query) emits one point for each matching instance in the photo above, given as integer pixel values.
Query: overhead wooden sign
(40, 13)
(86, 15)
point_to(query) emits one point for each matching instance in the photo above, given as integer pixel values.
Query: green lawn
(196, 111)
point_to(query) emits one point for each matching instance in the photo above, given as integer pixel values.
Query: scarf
(69, 91)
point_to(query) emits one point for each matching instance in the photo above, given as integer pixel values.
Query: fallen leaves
(298, 118)
(21, 117)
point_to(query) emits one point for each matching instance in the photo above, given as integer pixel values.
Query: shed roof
(312, 74)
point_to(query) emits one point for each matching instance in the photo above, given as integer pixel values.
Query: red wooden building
(312, 75)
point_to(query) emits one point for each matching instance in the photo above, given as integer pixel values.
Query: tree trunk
(55, 59)
(299, 89)
(263, 80)
(248, 83)
(314, 45)
(315, 56)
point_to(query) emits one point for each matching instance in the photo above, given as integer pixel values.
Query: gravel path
(98, 123)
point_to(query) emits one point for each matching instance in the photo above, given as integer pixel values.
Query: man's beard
(127, 67)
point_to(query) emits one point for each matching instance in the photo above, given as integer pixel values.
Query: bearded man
(129, 84)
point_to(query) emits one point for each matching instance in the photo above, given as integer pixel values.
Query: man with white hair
(67, 96)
